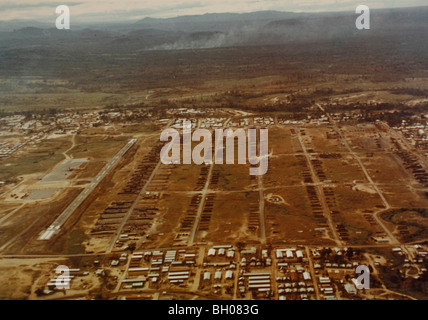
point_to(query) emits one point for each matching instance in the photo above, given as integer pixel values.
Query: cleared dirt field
(181, 178)
(284, 171)
(229, 219)
(365, 138)
(317, 139)
(292, 221)
(87, 170)
(351, 199)
(405, 196)
(343, 170)
(386, 168)
(232, 178)
(282, 140)
(19, 276)
(172, 209)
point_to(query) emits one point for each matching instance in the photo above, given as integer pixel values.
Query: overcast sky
(114, 10)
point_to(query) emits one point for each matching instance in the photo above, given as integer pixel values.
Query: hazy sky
(114, 10)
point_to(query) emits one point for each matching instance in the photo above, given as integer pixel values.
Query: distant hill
(154, 53)
(213, 21)
(8, 26)
(214, 30)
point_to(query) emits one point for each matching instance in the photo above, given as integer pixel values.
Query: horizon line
(87, 20)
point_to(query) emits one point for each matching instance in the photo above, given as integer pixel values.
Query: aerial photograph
(230, 152)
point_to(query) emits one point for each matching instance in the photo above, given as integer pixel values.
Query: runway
(66, 214)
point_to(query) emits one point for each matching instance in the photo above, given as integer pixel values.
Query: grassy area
(73, 243)
(97, 147)
(416, 221)
(40, 158)
(71, 99)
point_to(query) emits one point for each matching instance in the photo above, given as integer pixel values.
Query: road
(313, 274)
(372, 183)
(73, 144)
(131, 209)
(320, 194)
(410, 148)
(385, 202)
(66, 214)
(3, 219)
(207, 246)
(205, 191)
(201, 205)
(262, 210)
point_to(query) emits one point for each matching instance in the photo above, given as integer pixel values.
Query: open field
(325, 191)
(353, 186)
(96, 148)
(38, 158)
(408, 224)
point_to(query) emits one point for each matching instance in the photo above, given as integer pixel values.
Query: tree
(240, 245)
(39, 292)
(132, 246)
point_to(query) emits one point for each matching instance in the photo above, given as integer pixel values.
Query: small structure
(306, 276)
(350, 288)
